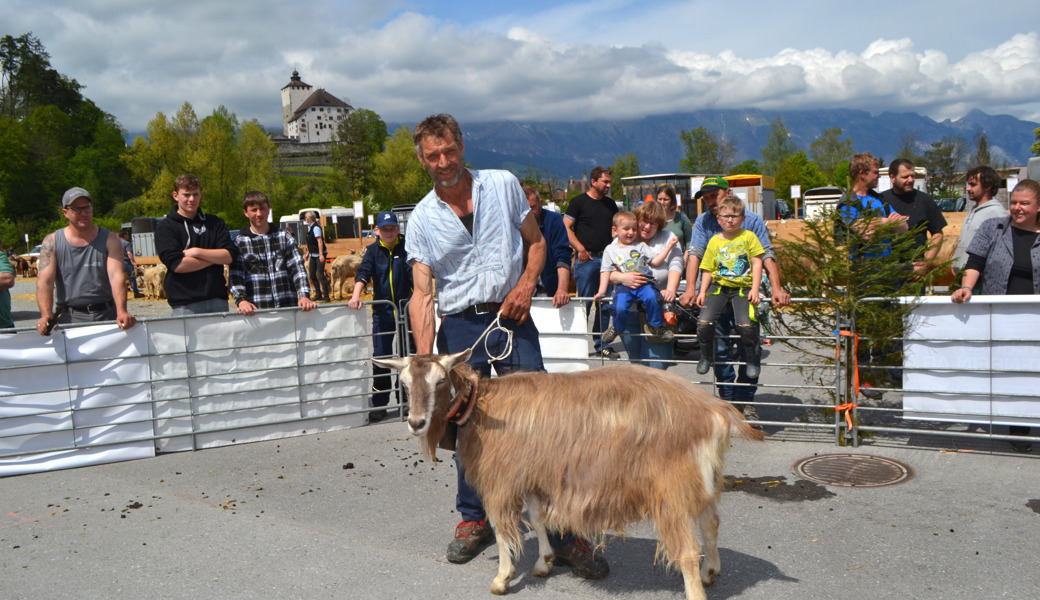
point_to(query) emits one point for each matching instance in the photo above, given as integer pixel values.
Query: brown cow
(587, 452)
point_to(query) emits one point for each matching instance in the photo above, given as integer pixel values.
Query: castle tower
(293, 96)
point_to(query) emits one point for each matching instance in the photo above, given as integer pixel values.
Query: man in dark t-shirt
(918, 208)
(588, 220)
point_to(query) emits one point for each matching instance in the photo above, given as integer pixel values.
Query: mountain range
(571, 149)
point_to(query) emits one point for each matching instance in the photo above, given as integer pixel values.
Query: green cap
(714, 183)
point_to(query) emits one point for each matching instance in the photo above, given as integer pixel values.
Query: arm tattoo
(46, 253)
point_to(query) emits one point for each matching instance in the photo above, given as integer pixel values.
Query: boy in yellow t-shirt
(731, 272)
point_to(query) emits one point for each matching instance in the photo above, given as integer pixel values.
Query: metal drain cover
(853, 470)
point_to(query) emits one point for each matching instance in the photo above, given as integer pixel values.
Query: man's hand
(561, 298)
(125, 320)
(41, 325)
(307, 304)
(780, 297)
(689, 297)
(246, 308)
(355, 302)
(584, 256)
(668, 295)
(517, 305)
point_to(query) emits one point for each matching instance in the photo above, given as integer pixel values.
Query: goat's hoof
(544, 566)
(708, 576)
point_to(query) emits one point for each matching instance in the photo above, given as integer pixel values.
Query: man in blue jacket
(385, 265)
(555, 279)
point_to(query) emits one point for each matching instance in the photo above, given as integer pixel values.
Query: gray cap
(74, 193)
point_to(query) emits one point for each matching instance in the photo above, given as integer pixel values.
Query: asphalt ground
(360, 514)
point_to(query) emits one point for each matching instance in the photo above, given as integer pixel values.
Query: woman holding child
(650, 218)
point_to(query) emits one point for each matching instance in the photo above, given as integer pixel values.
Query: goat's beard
(429, 441)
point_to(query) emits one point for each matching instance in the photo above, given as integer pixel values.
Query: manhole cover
(853, 470)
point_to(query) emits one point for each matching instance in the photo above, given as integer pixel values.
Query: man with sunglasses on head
(81, 276)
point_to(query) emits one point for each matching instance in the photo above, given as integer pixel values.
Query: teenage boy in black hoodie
(194, 247)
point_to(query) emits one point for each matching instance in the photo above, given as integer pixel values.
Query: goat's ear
(450, 361)
(392, 363)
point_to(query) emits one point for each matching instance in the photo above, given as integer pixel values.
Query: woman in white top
(651, 221)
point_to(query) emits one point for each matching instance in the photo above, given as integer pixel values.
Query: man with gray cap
(81, 276)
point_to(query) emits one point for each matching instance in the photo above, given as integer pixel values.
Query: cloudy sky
(484, 60)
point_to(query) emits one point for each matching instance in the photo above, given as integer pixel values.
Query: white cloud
(137, 59)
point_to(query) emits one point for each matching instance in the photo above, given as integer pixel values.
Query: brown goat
(587, 452)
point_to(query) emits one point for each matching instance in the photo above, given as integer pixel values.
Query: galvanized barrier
(966, 371)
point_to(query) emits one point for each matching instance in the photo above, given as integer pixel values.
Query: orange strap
(855, 355)
(848, 412)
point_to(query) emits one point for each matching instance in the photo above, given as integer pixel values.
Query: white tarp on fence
(99, 394)
(975, 362)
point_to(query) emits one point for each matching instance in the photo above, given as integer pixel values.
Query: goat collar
(464, 404)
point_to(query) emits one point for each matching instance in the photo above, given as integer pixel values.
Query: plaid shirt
(269, 272)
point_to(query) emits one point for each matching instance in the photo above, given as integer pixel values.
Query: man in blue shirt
(475, 234)
(706, 226)
(556, 275)
(862, 215)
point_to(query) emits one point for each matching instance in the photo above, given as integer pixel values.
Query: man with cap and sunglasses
(81, 276)
(704, 228)
(385, 265)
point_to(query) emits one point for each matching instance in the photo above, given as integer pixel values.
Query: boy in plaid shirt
(269, 272)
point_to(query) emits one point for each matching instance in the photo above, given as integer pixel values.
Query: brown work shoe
(581, 558)
(470, 538)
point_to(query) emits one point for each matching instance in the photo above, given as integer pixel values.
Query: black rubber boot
(706, 337)
(749, 338)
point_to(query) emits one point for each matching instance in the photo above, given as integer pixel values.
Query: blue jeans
(457, 333)
(129, 268)
(725, 373)
(383, 330)
(319, 283)
(202, 307)
(655, 356)
(586, 282)
(648, 294)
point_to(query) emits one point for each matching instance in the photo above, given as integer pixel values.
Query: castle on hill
(310, 117)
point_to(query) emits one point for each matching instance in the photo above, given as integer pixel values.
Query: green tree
(982, 155)
(830, 150)
(1036, 145)
(229, 159)
(704, 152)
(943, 160)
(797, 170)
(779, 147)
(359, 138)
(748, 167)
(398, 177)
(52, 138)
(626, 165)
(819, 264)
(909, 143)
